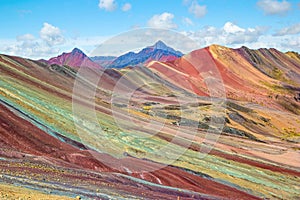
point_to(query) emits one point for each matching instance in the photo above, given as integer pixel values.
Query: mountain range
(157, 52)
(241, 69)
(64, 135)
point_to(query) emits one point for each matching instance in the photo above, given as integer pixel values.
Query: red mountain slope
(76, 58)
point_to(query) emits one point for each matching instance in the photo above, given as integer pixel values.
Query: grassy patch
(277, 74)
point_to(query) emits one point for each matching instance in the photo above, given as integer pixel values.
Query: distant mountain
(158, 52)
(104, 61)
(162, 46)
(76, 58)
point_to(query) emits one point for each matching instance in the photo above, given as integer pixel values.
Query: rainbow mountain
(58, 142)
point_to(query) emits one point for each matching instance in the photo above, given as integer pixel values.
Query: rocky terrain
(217, 123)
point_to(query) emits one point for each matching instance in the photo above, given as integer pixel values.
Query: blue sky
(43, 28)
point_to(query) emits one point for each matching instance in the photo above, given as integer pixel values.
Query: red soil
(22, 136)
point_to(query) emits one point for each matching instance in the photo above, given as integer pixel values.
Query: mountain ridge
(250, 75)
(76, 58)
(158, 52)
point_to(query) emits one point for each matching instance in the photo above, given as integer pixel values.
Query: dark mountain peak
(77, 51)
(244, 47)
(160, 45)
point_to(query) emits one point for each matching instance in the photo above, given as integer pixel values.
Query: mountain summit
(76, 58)
(158, 52)
(162, 46)
(77, 51)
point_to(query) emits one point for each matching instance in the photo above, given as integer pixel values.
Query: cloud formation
(26, 37)
(126, 7)
(229, 27)
(51, 35)
(29, 46)
(164, 20)
(197, 10)
(291, 30)
(32, 49)
(229, 34)
(108, 5)
(274, 7)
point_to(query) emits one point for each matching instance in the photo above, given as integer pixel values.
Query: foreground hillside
(47, 149)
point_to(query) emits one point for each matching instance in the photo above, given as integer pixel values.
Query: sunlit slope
(265, 76)
(293, 55)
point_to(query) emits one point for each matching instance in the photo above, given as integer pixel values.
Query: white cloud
(281, 43)
(108, 5)
(291, 30)
(26, 37)
(164, 20)
(253, 37)
(229, 34)
(51, 35)
(31, 49)
(138, 39)
(37, 48)
(197, 10)
(274, 7)
(126, 7)
(229, 27)
(187, 21)
(27, 45)
(292, 44)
